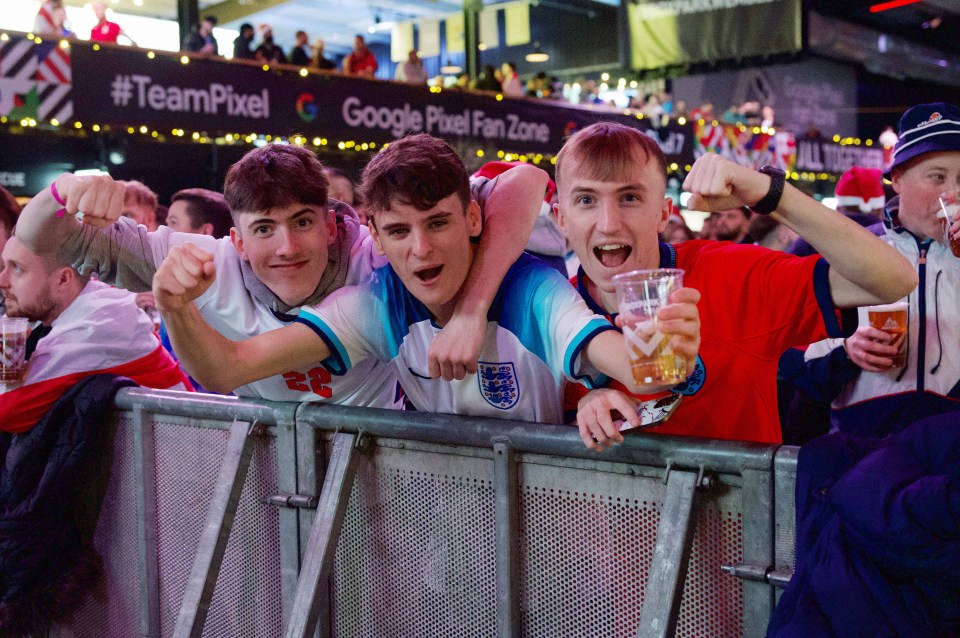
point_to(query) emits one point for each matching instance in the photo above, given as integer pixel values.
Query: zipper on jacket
(922, 313)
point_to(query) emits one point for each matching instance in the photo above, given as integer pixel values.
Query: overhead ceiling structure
(911, 41)
(930, 24)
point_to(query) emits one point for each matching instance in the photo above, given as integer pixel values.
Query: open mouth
(428, 274)
(612, 255)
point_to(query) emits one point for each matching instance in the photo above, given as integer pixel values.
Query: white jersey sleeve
(355, 323)
(550, 318)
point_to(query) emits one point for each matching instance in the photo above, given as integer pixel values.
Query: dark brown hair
(206, 207)
(275, 176)
(9, 211)
(608, 151)
(417, 171)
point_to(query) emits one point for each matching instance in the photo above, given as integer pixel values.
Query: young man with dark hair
(287, 249)
(539, 336)
(755, 303)
(199, 211)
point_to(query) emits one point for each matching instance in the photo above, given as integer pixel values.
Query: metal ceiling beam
(233, 10)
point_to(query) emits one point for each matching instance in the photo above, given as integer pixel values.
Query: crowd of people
(413, 290)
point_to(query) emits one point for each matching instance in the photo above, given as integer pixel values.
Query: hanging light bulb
(450, 68)
(537, 55)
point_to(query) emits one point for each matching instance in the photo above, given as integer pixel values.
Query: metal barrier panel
(117, 611)
(246, 601)
(247, 598)
(589, 530)
(416, 555)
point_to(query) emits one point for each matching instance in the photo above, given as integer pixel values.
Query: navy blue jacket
(878, 536)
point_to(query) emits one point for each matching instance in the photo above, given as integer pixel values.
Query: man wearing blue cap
(883, 399)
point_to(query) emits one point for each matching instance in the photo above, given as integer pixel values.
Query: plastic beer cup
(13, 349)
(892, 319)
(640, 295)
(949, 208)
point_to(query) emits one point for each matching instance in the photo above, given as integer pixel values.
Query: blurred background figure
(300, 55)
(201, 39)
(412, 71)
(733, 225)
(242, 43)
(510, 84)
(677, 230)
(199, 211)
(45, 22)
(140, 204)
(361, 60)
(319, 60)
(105, 30)
(769, 233)
(268, 52)
(340, 186)
(488, 79)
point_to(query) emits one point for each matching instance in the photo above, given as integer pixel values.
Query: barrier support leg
(322, 545)
(668, 569)
(216, 531)
(505, 484)
(144, 472)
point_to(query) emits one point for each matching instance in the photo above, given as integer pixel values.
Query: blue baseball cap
(926, 128)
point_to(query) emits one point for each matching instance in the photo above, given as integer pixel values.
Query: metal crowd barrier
(227, 517)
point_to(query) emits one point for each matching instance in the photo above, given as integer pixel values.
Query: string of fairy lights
(16, 125)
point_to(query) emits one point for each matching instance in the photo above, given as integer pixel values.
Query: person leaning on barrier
(85, 328)
(881, 399)
(539, 334)
(287, 249)
(755, 303)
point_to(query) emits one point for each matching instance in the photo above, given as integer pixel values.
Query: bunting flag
(36, 81)
(746, 147)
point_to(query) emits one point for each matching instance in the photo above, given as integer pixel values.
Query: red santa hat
(861, 187)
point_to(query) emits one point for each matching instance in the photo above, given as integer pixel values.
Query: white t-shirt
(538, 326)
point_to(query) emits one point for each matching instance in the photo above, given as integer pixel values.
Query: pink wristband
(58, 199)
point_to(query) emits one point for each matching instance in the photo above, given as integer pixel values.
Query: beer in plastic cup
(640, 295)
(949, 207)
(13, 349)
(892, 319)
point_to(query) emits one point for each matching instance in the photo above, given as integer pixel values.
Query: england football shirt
(537, 328)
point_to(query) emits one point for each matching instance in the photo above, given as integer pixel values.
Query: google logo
(306, 107)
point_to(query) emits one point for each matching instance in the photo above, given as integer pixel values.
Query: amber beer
(13, 350)
(892, 319)
(640, 295)
(651, 359)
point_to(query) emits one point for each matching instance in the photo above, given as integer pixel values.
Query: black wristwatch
(771, 200)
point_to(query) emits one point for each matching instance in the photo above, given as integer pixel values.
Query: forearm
(194, 341)
(221, 364)
(864, 269)
(510, 212)
(38, 226)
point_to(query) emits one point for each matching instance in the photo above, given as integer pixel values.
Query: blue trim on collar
(668, 256)
(282, 316)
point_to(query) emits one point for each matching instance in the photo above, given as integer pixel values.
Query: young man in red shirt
(755, 303)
